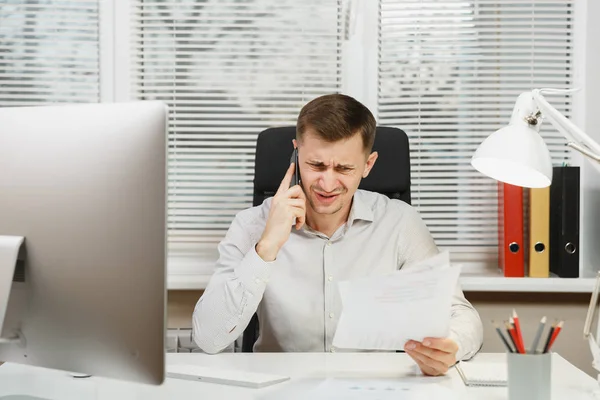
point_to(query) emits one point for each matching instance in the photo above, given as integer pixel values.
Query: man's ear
(370, 162)
(295, 143)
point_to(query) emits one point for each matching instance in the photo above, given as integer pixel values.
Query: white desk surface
(569, 382)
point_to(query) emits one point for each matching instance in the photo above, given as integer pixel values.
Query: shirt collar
(360, 209)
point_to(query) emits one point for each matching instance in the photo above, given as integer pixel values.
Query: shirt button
(257, 280)
(331, 315)
(330, 278)
(328, 243)
(332, 349)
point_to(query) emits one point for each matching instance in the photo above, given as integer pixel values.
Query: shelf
(187, 281)
(491, 282)
(483, 283)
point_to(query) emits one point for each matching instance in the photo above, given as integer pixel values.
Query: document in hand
(383, 312)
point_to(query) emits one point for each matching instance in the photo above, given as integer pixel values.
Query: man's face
(331, 172)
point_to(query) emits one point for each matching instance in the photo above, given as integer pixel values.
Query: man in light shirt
(289, 274)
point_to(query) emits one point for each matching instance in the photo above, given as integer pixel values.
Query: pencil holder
(529, 376)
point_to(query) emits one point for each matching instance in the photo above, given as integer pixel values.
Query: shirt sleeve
(415, 244)
(235, 289)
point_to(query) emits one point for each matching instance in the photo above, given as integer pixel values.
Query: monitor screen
(85, 186)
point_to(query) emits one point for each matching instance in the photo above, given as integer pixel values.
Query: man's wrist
(266, 251)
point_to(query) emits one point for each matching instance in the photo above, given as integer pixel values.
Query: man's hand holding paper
(408, 309)
(434, 355)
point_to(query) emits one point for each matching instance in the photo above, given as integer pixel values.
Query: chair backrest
(390, 176)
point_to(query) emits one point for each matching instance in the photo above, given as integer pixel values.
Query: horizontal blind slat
(449, 75)
(227, 74)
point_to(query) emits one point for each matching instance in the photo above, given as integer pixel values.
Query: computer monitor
(85, 185)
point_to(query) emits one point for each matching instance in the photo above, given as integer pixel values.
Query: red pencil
(513, 333)
(554, 335)
(518, 329)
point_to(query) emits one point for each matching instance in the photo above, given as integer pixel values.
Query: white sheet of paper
(383, 312)
(371, 389)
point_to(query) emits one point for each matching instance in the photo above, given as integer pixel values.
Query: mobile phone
(296, 177)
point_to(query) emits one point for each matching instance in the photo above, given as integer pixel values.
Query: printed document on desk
(378, 389)
(340, 388)
(383, 312)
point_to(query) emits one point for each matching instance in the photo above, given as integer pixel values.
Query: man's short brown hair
(336, 117)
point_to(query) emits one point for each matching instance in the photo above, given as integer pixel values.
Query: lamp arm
(567, 128)
(587, 326)
(584, 150)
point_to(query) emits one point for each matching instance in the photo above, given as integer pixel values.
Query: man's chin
(326, 208)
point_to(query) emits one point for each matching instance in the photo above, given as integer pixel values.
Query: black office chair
(390, 176)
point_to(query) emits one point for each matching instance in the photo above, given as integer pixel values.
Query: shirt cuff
(253, 271)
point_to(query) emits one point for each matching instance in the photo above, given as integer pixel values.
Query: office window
(48, 52)
(449, 75)
(228, 70)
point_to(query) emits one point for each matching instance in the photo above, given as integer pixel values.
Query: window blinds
(49, 52)
(228, 69)
(449, 75)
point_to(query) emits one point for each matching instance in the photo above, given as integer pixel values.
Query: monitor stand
(10, 249)
(75, 389)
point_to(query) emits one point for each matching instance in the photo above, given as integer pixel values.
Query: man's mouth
(326, 197)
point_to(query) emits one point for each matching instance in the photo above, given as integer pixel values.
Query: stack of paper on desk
(383, 312)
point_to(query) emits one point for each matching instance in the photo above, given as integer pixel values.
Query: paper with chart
(378, 389)
(383, 312)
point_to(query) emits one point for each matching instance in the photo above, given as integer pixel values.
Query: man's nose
(328, 180)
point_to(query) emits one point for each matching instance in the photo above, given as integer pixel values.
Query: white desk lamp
(517, 154)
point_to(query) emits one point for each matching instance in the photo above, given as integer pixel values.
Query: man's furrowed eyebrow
(345, 166)
(317, 163)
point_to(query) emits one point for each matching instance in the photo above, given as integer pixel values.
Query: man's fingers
(447, 358)
(439, 359)
(295, 192)
(427, 370)
(442, 344)
(299, 212)
(300, 215)
(296, 202)
(301, 195)
(287, 179)
(438, 367)
(300, 221)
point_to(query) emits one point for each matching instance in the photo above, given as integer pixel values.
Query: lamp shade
(515, 154)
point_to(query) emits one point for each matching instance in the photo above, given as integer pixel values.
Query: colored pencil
(554, 335)
(550, 333)
(538, 335)
(510, 350)
(518, 330)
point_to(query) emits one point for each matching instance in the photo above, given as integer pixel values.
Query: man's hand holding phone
(289, 203)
